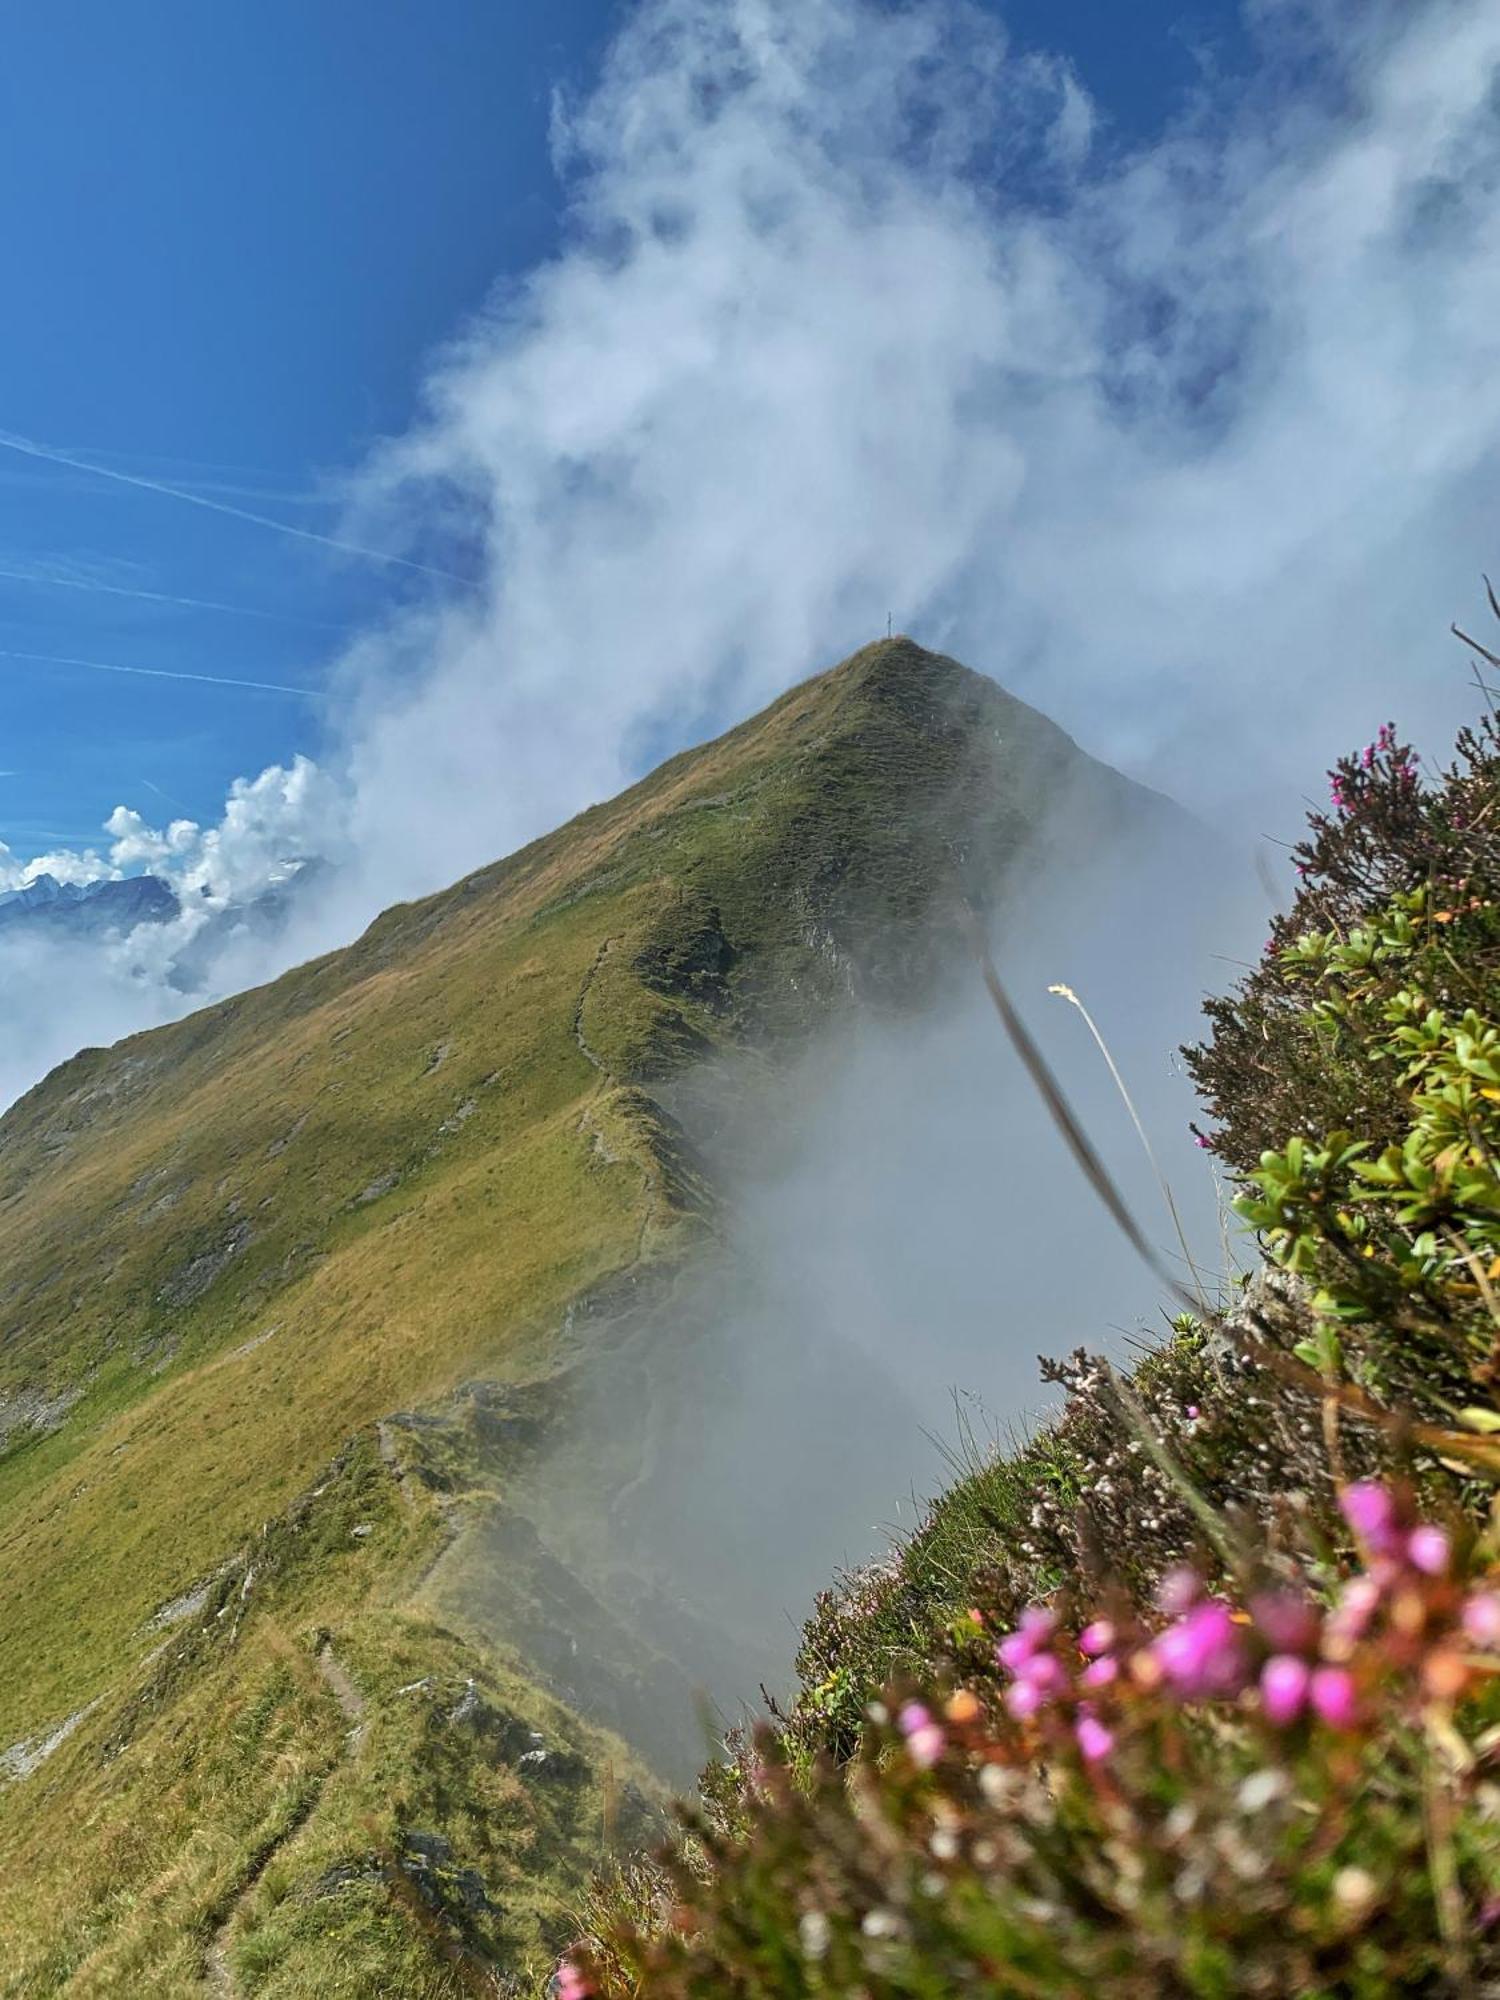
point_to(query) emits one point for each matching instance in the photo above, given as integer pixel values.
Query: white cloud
(271, 824)
(150, 849)
(62, 866)
(1193, 445)
(1187, 445)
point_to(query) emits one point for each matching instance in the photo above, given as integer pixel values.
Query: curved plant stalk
(1066, 993)
(1067, 1122)
(1209, 1519)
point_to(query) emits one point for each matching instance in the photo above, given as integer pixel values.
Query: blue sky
(234, 237)
(1149, 363)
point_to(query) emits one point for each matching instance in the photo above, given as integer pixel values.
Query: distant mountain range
(87, 909)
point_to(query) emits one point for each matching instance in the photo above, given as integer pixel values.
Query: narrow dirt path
(218, 1976)
(417, 1497)
(393, 1461)
(345, 1693)
(590, 1055)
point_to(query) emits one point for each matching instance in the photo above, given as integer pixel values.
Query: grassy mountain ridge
(309, 1215)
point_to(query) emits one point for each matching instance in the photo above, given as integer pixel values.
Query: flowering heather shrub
(1084, 1497)
(1294, 1789)
(1199, 1692)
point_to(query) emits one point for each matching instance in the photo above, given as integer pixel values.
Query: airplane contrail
(159, 673)
(151, 787)
(29, 448)
(156, 596)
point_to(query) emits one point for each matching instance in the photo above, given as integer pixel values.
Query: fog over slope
(903, 1234)
(859, 311)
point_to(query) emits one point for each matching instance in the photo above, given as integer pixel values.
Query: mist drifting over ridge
(897, 1240)
(859, 310)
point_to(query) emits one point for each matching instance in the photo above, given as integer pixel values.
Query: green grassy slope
(232, 1249)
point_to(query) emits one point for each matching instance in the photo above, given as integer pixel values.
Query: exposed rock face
(690, 958)
(34, 1410)
(21, 1759)
(195, 1277)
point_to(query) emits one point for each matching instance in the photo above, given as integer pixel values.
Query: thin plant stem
(1443, 1867)
(1067, 993)
(1208, 1518)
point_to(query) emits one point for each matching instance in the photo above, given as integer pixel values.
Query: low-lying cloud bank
(903, 1233)
(1190, 445)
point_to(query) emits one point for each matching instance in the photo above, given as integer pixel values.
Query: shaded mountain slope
(249, 1263)
(88, 909)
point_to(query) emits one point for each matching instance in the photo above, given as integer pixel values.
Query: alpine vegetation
(1199, 1692)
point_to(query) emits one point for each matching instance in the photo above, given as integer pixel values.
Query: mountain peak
(88, 908)
(40, 889)
(929, 691)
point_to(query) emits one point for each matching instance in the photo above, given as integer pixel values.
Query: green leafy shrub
(1401, 1238)
(1355, 1081)
(1398, 889)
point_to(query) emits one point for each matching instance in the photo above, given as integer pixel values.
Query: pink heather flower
(1203, 1653)
(1035, 1629)
(1200, 1141)
(1099, 1673)
(1044, 1672)
(1334, 1697)
(1094, 1740)
(1428, 1549)
(1193, 1413)
(1023, 1699)
(1179, 1590)
(1284, 1681)
(925, 1738)
(1285, 1620)
(1096, 1638)
(568, 1983)
(1370, 1510)
(1356, 1607)
(1481, 1618)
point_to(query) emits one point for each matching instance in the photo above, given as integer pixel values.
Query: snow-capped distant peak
(106, 904)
